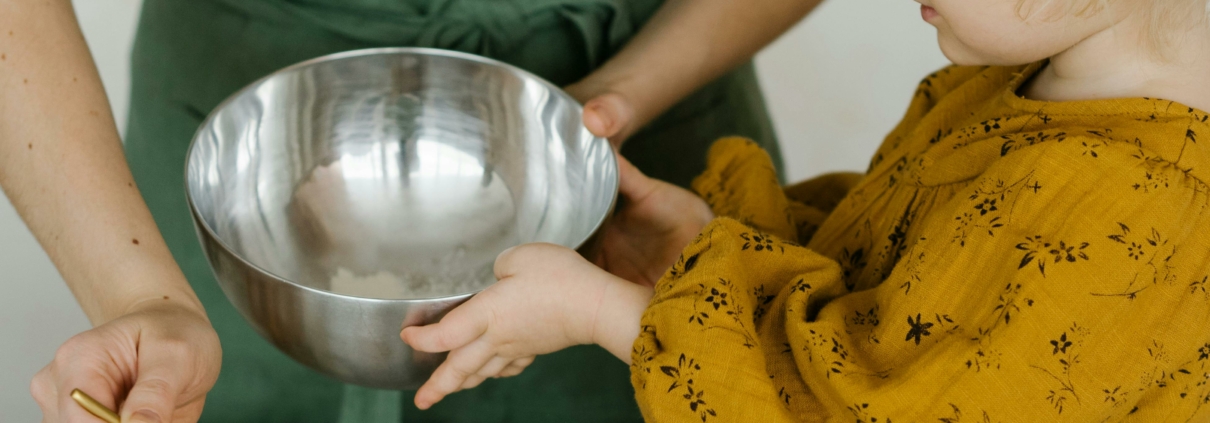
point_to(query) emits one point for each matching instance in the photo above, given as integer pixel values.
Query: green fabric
(191, 54)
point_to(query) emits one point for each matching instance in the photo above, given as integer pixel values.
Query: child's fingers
(516, 367)
(494, 366)
(462, 325)
(524, 361)
(460, 365)
(471, 382)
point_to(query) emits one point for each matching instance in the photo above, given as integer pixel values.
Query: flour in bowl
(448, 276)
(385, 285)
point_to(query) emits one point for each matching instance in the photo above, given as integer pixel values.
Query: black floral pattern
(1198, 286)
(758, 242)
(682, 376)
(1156, 253)
(985, 357)
(684, 264)
(1036, 247)
(992, 325)
(719, 301)
(918, 328)
(992, 206)
(863, 414)
(1014, 142)
(1066, 349)
(641, 358)
(869, 317)
(955, 416)
(762, 302)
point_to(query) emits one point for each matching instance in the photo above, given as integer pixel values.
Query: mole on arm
(134, 241)
(165, 297)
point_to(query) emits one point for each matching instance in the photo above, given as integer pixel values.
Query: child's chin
(955, 51)
(962, 55)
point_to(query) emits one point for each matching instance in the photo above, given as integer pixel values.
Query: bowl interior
(397, 174)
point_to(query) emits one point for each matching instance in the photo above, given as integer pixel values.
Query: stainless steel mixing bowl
(343, 198)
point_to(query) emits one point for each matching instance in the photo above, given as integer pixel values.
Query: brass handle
(102, 412)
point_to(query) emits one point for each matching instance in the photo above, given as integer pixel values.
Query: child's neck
(1115, 64)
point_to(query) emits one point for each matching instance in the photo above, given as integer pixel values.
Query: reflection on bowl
(342, 196)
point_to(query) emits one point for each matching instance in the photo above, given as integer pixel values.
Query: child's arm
(548, 298)
(687, 44)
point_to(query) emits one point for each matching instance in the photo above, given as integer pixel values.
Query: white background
(835, 85)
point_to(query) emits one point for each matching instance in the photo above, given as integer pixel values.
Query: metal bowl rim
(370, 52)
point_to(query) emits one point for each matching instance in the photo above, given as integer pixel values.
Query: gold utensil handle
(102, 412)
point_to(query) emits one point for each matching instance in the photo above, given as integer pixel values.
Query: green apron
(191, 54)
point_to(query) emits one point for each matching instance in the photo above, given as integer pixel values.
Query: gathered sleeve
(1081, 295)
(803, 206)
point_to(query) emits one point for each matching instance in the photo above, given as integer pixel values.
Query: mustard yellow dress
(1003, 260)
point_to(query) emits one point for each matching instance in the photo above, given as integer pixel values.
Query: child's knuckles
(472, 382)
(446, 338)
(511, 370)
(431, 339)
(462, 369)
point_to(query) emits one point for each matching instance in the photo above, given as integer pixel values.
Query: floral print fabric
(1003, 260)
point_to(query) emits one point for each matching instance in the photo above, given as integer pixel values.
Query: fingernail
(145, 416)
(602, 116)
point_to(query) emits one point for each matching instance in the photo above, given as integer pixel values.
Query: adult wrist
(182, 300)
(149, 289)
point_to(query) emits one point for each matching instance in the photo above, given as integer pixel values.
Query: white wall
(835, 84)
(842, 79)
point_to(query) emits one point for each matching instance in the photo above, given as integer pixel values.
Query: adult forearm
(62, 166)
(689, 43)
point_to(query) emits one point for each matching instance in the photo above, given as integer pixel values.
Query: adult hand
(154, 364)
(608, 113)
(547, 298)
(656, 221)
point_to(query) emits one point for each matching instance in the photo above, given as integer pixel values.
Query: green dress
(191, 54)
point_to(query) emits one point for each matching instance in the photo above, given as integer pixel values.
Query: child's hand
(657, 220)
(546, 299)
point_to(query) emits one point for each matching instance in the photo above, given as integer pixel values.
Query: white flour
(383, 285)
(449, 279)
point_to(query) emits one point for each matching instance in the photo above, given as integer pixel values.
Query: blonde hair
(1162, 16)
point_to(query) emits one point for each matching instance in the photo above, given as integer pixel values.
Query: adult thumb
(609, 116)
(153, 399)
(633, 184)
